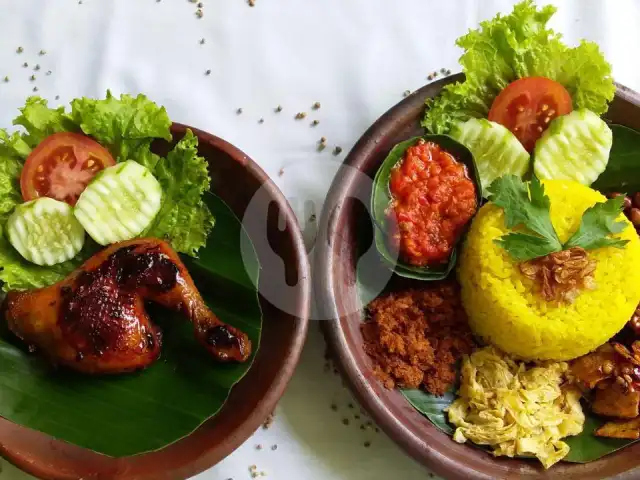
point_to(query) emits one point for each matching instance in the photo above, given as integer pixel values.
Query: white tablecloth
(356, 57)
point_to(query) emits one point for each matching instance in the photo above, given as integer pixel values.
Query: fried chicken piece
(613, 402)
(629, 429)
(588, 369)
(95, 321)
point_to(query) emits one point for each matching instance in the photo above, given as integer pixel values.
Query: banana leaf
(145, 411)
(623, 170)
(381, 198)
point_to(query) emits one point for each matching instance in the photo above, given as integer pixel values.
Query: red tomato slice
(61, 166)
(527, 106)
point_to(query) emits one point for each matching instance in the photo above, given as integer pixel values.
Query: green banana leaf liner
(381, 200)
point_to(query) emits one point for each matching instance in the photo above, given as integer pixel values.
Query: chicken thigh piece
(94, 321)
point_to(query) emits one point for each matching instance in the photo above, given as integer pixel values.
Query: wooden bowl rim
(217, 451)
(324, 289)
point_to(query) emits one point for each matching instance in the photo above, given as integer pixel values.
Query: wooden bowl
(236, 179)
(337, 295)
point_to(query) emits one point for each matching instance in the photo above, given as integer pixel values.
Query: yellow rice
(505, 308)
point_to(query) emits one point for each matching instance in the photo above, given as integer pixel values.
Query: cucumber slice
(574, 147)
(496, 150)
(119, 203)
(45, 232)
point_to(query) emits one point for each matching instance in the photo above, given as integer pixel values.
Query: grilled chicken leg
(94, 321)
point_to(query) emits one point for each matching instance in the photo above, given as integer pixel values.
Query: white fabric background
(356, 57)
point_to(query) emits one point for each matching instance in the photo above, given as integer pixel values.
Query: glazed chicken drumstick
(95, 321)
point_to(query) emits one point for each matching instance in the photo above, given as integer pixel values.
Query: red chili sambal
(433, 199)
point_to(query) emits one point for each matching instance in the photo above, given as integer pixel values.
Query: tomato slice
(527, 106)
(61, 166)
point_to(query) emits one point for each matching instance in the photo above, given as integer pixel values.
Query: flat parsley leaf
(523, 247)
(526, 207)
(598, 222)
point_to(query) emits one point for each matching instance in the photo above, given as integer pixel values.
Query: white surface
(354, 56)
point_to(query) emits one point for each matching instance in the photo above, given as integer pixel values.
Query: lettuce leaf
(126, 126)
(40, 121)
(515, 46)
(184, 220)
(13, 145)
(19, 274)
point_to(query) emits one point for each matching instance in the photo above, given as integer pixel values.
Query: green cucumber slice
(44, 231)
(496, 150)
(574, 147)
(119, 203)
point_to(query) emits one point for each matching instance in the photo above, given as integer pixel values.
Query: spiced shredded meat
(414, 337)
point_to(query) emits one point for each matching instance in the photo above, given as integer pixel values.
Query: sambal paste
(433, 199)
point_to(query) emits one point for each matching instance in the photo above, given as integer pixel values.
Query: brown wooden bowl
(337, 296)
(236, 179)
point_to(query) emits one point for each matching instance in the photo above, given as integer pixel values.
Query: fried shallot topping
(562, 275)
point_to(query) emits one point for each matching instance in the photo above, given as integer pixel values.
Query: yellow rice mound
(505, 308)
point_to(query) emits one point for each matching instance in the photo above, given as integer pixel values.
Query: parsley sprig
(526, 206)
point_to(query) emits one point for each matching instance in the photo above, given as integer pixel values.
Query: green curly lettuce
(126, 126)
(184, 219)
(516, 46)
